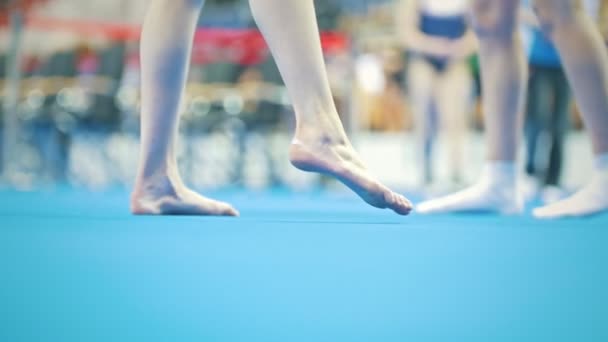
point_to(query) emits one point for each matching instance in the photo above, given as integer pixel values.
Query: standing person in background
(603, 19)
(548, 106)
(547, 109)
(440, 41)
(504, 74)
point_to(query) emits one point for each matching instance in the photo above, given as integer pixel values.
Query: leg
(530, 184)
(165, 48)
(558, 126)
(421, 80)
(585, 60)
(320, 143)
(454, 91)
(503, 72)
(535, 106)
(541, 105)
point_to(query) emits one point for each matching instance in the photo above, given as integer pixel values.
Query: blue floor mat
(75, 266)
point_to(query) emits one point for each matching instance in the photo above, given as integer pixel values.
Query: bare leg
(454, 103)
(320, 143)
(421, 86)
(165, 48)
(586, 63)
(504, 75)
(503, 80)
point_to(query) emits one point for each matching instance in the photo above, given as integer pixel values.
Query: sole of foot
(342, 163)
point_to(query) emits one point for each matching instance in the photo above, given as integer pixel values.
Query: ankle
(502, 173)
(320, 135)
(157, 183)
(326, 123)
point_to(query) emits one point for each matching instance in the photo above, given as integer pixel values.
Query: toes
(551, 211)
(215, 208)
(390, 198)
(401, 205)
(408, 204)
(540, 213)
(228, 210)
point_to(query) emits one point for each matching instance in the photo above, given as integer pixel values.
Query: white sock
(496, 191)
(591, 199)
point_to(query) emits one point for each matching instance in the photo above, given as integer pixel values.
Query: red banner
(244, 46)
(20, 5)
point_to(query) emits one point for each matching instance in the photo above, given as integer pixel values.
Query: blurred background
(69, 75)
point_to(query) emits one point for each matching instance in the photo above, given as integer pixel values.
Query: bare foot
(339, 159)
(164, 197)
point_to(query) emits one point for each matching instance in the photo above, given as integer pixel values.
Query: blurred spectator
(440, 41)
(371, 83)
(81, 88)
(387, 114)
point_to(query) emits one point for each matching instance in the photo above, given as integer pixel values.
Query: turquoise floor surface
(75, 266)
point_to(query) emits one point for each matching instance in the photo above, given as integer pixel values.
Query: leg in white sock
(165, 48)
(586, 63)
(320, 143)
(503, 80)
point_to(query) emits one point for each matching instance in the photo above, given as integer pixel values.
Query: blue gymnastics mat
(76, 266)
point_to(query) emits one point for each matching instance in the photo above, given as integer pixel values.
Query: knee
(556, 14)
(494, 19)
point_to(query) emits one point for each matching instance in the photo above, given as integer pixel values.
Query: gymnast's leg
(585, 60)
(320, 143)
(165, 49)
